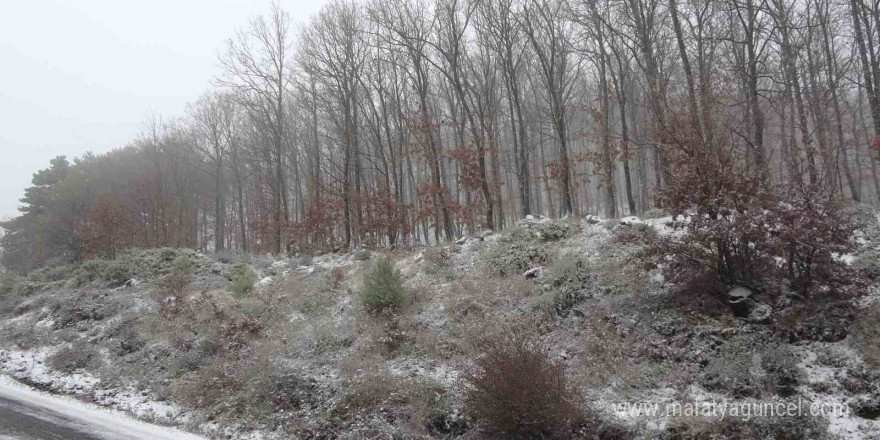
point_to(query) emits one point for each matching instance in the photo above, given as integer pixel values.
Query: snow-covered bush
(180, 277)
(572, 282)
(117, 272)
(782, 374)
(746, 366)
(361, 255)
(243, 279)
(73, 358)
(655, 213)
(438, 262)
(639, 233)
(514, 253)
(756, 238)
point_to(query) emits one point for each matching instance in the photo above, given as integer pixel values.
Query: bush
(866, 335)
(383, 288)
(572, 281)
(655, 213)
(543, 231)
(243, 279)
(252, 386)
(58, 272)
(70, 359)
(822, 319)
(87, 271)
(183, 265)
(361, 255)
(117, 272)
(128, 341)
(743, 370)
(554, 230)
(180, 277)
(760, 238)
(225, 257)
(186, 361)
(518, 392)
(730, 371)
(639, 233)
(87, 306)
(438, 262)
(782, 374)
(8, 280)
(515, 258)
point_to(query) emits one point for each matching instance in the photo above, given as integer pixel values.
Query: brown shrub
(753, 237)
(518, 392)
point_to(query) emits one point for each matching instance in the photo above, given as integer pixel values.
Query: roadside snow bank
(30, 367)
(99, 421)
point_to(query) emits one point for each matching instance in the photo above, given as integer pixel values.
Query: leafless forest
(393, 122)
(477, 219)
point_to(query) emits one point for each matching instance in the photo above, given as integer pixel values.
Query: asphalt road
(27, 414)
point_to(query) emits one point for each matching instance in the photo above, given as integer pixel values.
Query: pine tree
(383, 289)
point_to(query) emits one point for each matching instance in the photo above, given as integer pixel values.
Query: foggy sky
(82, 75)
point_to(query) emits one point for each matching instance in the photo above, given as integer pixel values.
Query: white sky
(82, 75)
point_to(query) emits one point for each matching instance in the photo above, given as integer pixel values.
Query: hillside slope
(162, 335)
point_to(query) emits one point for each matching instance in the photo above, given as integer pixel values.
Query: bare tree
(256, 66)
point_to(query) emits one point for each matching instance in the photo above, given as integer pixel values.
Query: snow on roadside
(30, 366)
(101, 422)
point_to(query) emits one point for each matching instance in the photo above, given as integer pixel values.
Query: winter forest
(464, 219)
(400, 122)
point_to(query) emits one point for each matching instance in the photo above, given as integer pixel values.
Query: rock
(631, 220)
(868, 408)
(592, 220)
(534, 273)
(418, 258)
(760, 313)
(739, 293)
(740, 300)
(744, 305)
(487, 233)
(531, 220)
